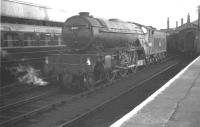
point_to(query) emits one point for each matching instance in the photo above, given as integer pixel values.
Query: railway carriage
(29, 33)
(185, 40)
(27, 44)
(99, 50)
(29, 40)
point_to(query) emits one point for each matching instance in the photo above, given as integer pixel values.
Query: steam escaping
(29, 75)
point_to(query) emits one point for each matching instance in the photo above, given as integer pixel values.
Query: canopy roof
(19, 9)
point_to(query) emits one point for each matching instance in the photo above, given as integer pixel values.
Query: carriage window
(15, 39)
(51, 41)
(59, 40)
(29, 39)
(47, 39)
(10, 40)
(2, 39)
(56, 39)
(44, 39)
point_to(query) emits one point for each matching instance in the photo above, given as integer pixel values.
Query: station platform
(176, 104)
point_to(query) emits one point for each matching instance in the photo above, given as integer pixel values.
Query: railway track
(11, 114)
(28, 95)
(110, 111)
(17, 88)
(80, 120)
(19, 110)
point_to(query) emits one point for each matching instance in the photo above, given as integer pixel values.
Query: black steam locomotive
(99, 50)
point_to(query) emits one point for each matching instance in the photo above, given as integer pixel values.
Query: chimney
(86, 14)
(168, 23)
(176, 24)
(188, 18)
(181, 21)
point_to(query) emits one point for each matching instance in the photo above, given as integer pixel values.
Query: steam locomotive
(99, 50)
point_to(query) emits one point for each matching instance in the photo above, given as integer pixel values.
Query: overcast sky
(147, 12)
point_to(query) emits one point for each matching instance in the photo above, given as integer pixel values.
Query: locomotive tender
(99, 49)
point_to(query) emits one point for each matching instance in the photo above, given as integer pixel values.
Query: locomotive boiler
(82, 31)
(99, 49)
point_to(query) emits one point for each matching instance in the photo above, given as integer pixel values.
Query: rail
(82, 116)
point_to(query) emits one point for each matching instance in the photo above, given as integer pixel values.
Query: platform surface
(176, 104)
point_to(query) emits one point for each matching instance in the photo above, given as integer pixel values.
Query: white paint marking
(134, 112)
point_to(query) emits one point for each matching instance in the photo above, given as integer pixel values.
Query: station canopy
(19, 9)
